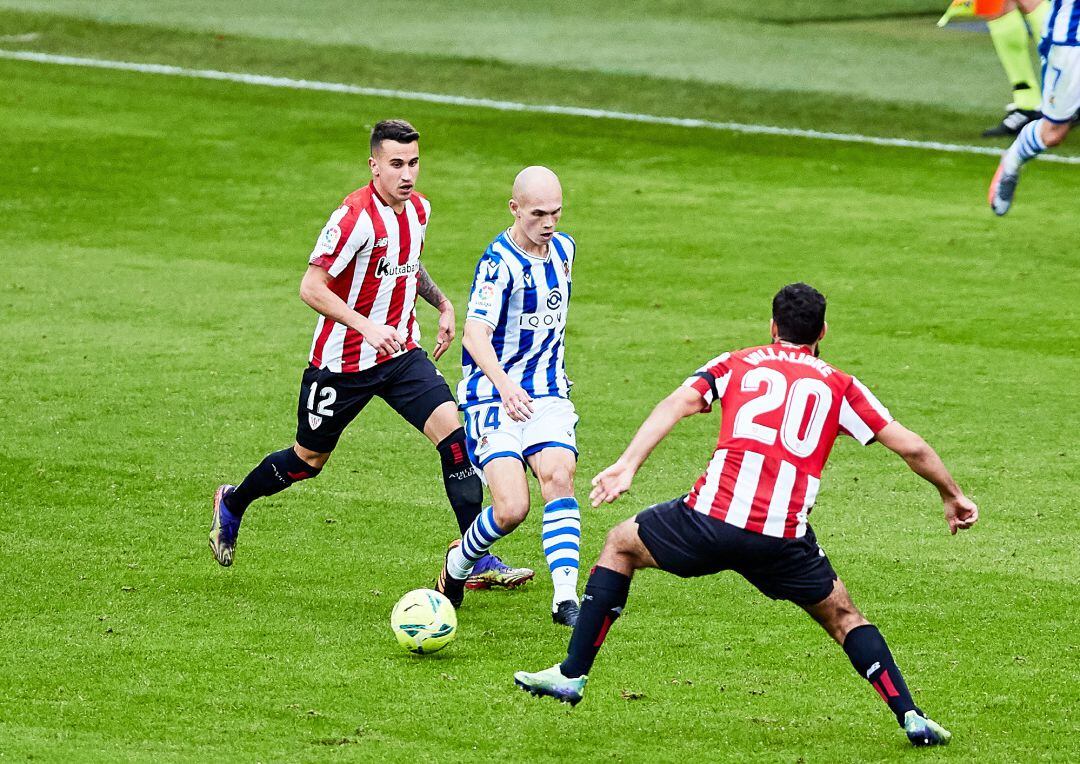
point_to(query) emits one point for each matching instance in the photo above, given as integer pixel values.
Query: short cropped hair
(397, 130)
(799, 312)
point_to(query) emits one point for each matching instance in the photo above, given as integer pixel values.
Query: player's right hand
(611, 484)
(960, 513)
(385, 339)
(516, 402)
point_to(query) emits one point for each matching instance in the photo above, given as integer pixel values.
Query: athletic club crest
(314, 421)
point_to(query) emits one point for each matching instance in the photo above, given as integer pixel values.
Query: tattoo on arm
(428, 289)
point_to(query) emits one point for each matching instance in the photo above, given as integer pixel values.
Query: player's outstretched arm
(616, 479)
(429, 290)
(477, 340)
(315, 291)
(960, 511)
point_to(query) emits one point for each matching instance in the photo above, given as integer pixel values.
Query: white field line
(486, 103)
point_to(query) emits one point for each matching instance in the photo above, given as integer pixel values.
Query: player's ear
(824, 329)
(773, 332)
(514, 207)
(373, 165)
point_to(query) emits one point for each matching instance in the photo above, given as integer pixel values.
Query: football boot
(224, 527)
(490, 572)
(553, 684)
(923, 731)
(1002, 190)
(452, 588)
(566, 613)
(1012, 123)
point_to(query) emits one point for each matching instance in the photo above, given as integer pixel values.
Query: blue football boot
(223, 528)
(489, 571)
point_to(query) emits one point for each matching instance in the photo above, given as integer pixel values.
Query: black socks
(463, 486)
(605, 597)
(870, 656)
(274, 474)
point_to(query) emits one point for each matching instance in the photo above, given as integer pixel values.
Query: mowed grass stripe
(486, 103)
(165, 356)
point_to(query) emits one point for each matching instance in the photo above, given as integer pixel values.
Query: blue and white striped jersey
(1062, 24)
(524, 299)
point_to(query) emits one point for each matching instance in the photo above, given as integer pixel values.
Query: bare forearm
(322, 300)
(477, 340)
(653, 430)
(925, 463)
(428, 289)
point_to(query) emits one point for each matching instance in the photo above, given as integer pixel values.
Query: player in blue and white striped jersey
(515, 392)
(1060, 51)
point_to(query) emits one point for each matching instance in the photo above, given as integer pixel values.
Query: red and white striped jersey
(373, 257)
(782, 411)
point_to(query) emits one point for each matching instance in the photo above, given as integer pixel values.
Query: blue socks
(1026, 147)
(562, 542)
(474, 544)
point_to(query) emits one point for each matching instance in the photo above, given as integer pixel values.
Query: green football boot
(552, 683)
(923, 731)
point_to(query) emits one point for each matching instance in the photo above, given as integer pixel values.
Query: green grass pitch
(154, 232)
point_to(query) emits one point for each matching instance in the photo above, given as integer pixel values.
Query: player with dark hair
(362, 279)
(783, 407)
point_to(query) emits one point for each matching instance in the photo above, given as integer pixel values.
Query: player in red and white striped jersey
(363, 279)
(787, 408)
(783, 408)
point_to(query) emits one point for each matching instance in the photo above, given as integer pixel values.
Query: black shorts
(330, 400)
(688, 543)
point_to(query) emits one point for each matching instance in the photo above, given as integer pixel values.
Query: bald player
(515, 394)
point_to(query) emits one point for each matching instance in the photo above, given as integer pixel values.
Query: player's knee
(509, 514)
(557, 483)
(622, 539)
(1054, 134)
(838, 614)
(315, 459)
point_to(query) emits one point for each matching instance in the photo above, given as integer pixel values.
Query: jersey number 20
(808, 400)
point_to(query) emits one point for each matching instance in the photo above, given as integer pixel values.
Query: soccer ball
(424, 621)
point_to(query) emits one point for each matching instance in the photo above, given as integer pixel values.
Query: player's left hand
(960, 513)
(611, 484)
(446, 329)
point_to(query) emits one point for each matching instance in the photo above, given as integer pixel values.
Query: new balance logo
(872, 669)
(382, 242)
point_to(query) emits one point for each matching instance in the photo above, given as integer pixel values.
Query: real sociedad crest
(314, 421)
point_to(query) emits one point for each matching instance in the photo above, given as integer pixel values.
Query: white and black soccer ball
(424, 621)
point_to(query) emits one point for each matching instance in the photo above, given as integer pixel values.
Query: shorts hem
(536, 447)
(1064, 121)
(498, 455)
(319, 448)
